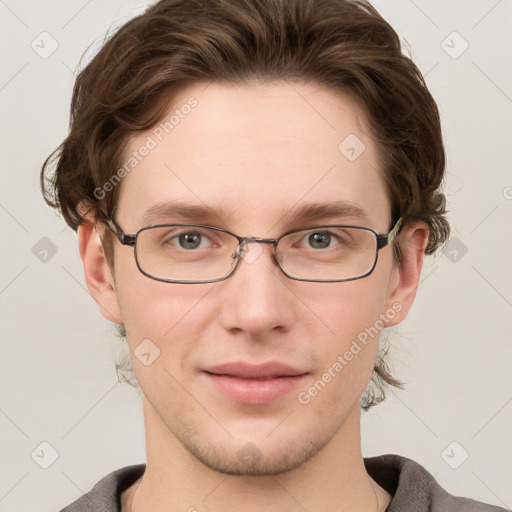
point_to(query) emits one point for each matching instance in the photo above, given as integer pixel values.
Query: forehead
(254, 153)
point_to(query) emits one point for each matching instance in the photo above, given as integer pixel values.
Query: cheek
(349, 315)
(162, 328)
(345, 364)
(170, 315)
(348, 308)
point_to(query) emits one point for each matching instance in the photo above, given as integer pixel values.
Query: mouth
(254, 384)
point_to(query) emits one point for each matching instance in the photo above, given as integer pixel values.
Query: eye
(188, 240)
(320, 239)
(323, 239)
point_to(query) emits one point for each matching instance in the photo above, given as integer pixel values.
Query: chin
(252, 459)
(254, 453)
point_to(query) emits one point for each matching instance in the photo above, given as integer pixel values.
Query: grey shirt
(413, 489)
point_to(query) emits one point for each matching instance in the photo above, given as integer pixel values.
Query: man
(254, 185)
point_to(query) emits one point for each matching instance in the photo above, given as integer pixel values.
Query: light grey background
(58, 380)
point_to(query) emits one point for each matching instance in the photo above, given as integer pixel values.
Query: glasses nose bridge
(243, 241)
(255, 239)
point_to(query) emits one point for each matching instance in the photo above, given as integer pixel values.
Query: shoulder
(414, 489)
(105, 495)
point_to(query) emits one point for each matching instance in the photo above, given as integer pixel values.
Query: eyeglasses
(191, 253)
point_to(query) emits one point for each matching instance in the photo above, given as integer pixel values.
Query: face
(295, 351)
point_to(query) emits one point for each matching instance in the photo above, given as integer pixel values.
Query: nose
(257, 300)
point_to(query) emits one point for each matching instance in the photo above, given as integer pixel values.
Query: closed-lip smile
(254, 384)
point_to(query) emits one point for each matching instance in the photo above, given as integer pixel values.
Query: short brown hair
(344, 45)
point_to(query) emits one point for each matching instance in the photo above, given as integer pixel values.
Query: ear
(98, 277)
(405, 278)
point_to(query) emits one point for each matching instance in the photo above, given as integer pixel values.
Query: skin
(257, 152)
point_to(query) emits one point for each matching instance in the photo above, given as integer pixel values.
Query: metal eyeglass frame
(130, 240)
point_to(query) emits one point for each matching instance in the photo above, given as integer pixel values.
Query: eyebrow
(306, 213)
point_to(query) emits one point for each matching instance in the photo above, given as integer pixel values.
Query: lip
(254, 384)
(255, 371)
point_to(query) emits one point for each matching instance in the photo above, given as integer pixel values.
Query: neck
(333, 479)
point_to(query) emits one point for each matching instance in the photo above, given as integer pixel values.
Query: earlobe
(98, 277)
(413, 242)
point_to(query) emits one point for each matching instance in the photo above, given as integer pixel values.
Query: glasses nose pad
(238, 252)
